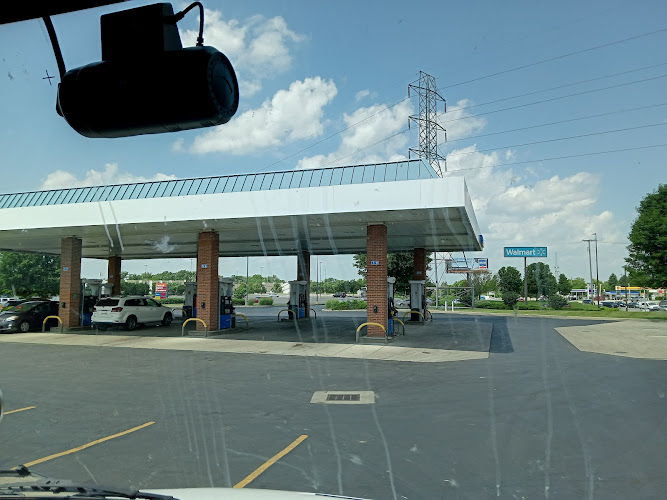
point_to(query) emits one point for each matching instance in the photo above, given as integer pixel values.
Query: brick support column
(419, 255)
(208, 252)
(303, 274)
(113, 274)
(70, 281)
(376, 278)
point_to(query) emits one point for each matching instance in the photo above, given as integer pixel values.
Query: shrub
(171, 300)
(345, 305)
(265, 301)
(466, 300)
(510, 299)
(491, 304)
(238, 302)
(557, 301)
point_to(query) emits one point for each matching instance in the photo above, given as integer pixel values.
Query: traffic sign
(525, 251)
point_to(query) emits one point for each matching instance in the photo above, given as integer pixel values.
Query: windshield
(390, 250)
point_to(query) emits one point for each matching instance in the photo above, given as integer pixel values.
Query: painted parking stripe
(20, 409)
(253, 475)
(87, 445)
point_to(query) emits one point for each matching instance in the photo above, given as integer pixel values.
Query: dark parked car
(587, 301)
(609, 303)
(340, 294)
(28, 316)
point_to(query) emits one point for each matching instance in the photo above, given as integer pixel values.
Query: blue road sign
(525, 251)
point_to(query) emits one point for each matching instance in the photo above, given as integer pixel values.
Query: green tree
(509, 280)
(239, 292)
(277, 288)
(255, 284)
(623, 281)
(648, 239)
(540, 280)
(400, 265)
(29, 274)
(134, 288)
(612, 282)
(510, 299)
(578, 283)
(564, 285)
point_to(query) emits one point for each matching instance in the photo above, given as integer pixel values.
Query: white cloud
(290, 115)
(178, 145)
(520, 208)
(459, 123)
(258, 48)
(363, 94)
(110, 175)
(374, 124)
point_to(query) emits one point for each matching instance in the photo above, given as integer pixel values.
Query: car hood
(238, 493)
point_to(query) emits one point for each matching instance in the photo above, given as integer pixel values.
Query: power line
(558, 122)
(387, 108)
(562, 86)
(580, 155)
(560, 139)
(364, 148)
(556, 98)
(562, 56)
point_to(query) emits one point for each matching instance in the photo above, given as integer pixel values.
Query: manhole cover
(343, 397)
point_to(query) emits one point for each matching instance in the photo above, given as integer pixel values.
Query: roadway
(535, 418)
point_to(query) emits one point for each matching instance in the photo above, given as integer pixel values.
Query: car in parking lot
(340, 294)
(663, 305)
(588, 301)
(402, 302)
(28, 316)
(649, 305)
(609, 303)
(130, 311)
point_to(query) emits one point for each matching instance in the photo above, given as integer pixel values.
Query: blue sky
(310, 69)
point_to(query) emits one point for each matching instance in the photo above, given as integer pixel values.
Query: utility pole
(435, 259)
(246, 280)
(317, 271)
(590, 265)
(525, 279)
(597, 270)
(626, 287)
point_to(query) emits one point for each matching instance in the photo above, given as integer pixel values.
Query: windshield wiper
(88, 491)
(21, 480)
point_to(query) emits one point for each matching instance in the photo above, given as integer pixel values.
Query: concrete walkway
(356, 351)
(630, 338)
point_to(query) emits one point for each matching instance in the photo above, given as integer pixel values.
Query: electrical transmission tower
(428, 121)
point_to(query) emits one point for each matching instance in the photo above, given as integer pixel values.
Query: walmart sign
(525, 251)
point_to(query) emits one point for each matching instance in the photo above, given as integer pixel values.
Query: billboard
(525, 251)
(161, 290)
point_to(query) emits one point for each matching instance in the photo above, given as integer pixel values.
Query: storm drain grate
(343, 397)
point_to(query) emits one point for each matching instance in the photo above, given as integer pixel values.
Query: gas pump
(226, 311)
(391, 309)
(418, 299)
(297, 299)
(92, 290)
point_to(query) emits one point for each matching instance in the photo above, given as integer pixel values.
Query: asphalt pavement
(537, 418)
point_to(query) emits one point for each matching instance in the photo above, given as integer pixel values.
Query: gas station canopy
(325, 211)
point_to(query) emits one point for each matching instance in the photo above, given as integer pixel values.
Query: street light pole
(246, 279)
(626, 287)
(597, 270)
(317, 270)
(590, 265)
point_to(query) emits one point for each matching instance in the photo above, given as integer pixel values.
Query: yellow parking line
(270, 462)
(20, 409)
(84, 446)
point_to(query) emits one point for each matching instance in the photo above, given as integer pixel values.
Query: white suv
(130, 311)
